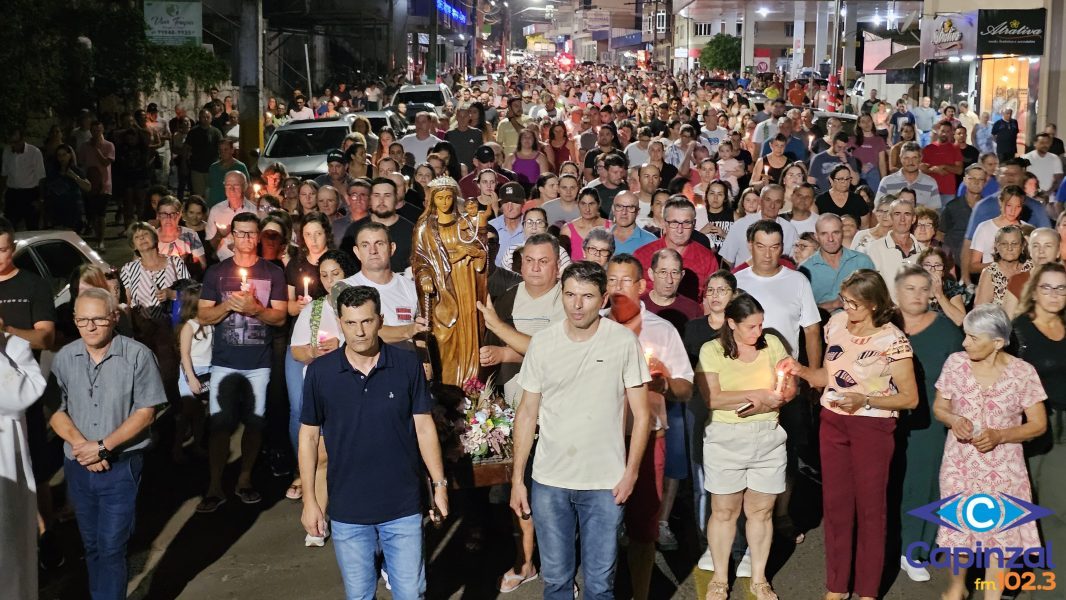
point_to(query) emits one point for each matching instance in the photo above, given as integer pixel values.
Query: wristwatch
(443, 483)
(104, 453)
(867, 406)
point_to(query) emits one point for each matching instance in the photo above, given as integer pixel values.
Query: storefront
(990, 58)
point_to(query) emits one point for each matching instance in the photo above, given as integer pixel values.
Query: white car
(54, 255)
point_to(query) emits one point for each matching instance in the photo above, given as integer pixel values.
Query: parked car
(302, 145)
(382, 118)
(54, 255)
(436, 95)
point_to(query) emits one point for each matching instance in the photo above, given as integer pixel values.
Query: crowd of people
(687, 292)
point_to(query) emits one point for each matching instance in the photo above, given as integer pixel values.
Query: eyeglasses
(1052, 290)
(923, 225)
(624, 208)
(85, 322)
(680, 225)
(848, 302)
(243, 235)
(535, 222)
(722, 291)
(932, 267)
(674, 273)
(167, 215)
(594, 251)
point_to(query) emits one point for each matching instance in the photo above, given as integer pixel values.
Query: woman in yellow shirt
(744, 448)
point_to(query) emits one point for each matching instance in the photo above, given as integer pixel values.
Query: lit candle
(307, 282)
(810, 140)
(244, 280)
(648, 355)
(766, 170)
(256, 188)
(779, 388)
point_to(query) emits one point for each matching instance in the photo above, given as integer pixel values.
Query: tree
(721, 52)
(69, 55)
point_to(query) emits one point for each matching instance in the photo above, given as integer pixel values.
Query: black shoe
(49, 552)
(280, 466)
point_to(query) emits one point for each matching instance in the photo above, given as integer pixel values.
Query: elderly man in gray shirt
(108, 387)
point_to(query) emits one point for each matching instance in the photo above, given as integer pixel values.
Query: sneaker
(744, 567)
(706, 563)
(667, 541)
(915, 573)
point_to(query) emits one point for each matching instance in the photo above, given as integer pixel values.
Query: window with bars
(704, 29)
(660, 22)
(790, 29)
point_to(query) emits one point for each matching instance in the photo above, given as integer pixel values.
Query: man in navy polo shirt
(375, 432)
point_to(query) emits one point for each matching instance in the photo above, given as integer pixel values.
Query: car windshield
(434, 97)
(306, 142)
(376, 123)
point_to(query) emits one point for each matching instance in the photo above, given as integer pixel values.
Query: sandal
(763, 591)
(249, 496)
(717, 591)
(295, 492)
(511, 581)
(210, 504)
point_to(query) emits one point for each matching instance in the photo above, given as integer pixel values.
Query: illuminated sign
(454, 13)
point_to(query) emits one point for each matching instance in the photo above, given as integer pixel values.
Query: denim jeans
(400, 539)
(294, 381)
(558, 515)
(104, 504)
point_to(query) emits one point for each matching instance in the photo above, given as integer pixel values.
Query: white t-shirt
(787, 299)
(735, 249)
(636, 155)
(419, 148)
(200, 350)
(328, 327)
(305, 113)
(711, 138)
(806, 225)
(1044, 167)
(984, 239)
(582, 406)
(399, 298)
(661, 338)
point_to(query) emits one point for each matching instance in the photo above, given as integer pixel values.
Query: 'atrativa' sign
(1011, 31)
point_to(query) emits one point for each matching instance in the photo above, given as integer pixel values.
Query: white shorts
(740, 456)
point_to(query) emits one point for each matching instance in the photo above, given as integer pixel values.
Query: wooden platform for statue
(486, 473)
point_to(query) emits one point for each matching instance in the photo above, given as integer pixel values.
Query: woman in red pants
(868, 378)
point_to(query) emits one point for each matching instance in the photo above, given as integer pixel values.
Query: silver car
(436, 95)
(302, 145)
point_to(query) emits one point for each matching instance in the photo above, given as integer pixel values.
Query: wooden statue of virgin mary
(449, 261)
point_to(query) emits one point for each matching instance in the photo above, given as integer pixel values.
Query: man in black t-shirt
(383, 201)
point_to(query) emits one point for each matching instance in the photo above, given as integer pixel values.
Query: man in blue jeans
(372, 402)
(108, 387)
(577, 377)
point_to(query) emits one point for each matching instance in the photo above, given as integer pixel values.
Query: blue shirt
(992, 187)
(1033, 213)
(508, 238)
(638, 238)
(825, 280)
(795, 146)
(374, 473)
(1060, 196)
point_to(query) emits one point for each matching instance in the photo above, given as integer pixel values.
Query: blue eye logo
(980, 513)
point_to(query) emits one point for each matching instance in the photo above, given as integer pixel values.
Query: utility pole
(250, 79)
(431, 56)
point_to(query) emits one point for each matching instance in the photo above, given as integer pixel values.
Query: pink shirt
(99, 174)
(861, 364)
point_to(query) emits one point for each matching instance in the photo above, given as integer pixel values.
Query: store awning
(908, 58)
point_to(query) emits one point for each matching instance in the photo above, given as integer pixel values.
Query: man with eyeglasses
(679, 216)
(220, 215)
(831, 265)
(628, 237)
(108, 387)
(736, 250)
(246, 299)
(669, 390)
(899, 248)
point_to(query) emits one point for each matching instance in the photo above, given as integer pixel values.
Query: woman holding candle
(868, 377)
(315, 333)
(741, 376)
(769, 168)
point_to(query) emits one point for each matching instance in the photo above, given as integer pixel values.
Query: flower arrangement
(477, 425)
